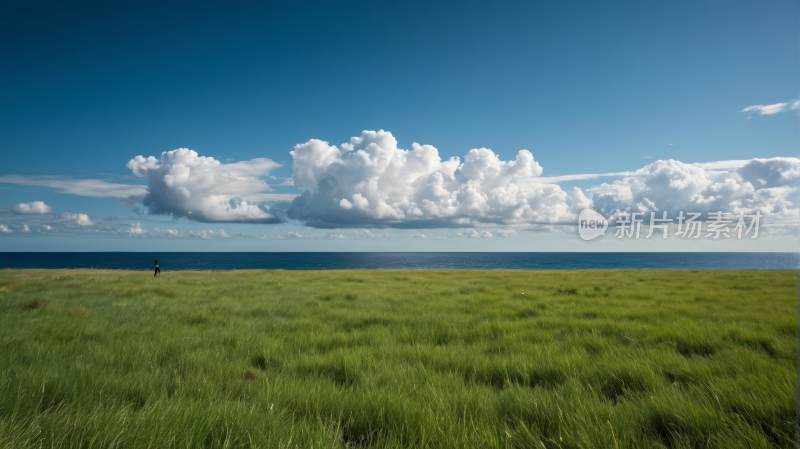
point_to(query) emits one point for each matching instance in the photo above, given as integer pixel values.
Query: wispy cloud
(722, 165)
(261, 236)
(94, 188)
(565, 178)
(770, 109)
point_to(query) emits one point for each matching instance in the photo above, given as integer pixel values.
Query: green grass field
(332, 359)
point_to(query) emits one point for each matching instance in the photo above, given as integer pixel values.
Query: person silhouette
(158, 270)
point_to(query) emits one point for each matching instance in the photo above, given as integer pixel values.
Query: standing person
(158, 270)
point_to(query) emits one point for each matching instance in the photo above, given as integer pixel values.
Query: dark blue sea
(404, 261)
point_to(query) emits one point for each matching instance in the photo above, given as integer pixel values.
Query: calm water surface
(404, 261)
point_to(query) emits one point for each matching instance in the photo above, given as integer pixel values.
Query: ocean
(403, 261)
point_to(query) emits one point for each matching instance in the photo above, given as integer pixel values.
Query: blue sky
(585, 87)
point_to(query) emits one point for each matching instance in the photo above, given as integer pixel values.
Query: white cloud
(102, 229)
(290, 235)
(722, 165)
(283, 181)
(24, 229)
(772, 108)
(766, 185)
(565, 178)
(79, 219)
(775, 172)
(33, 208)
(136, 231)
(261, 236)
(183, 184)
(506, 233)
(579, 201)
(167, 232)
(474, 234)
(418, 236)
(371, 182)
(335, 236)
(208, 234)
(94, 188)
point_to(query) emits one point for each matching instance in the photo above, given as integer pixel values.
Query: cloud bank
(766, 185)
(183, 184)
(370, 182)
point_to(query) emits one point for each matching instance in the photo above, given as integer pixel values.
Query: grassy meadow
(397, 359)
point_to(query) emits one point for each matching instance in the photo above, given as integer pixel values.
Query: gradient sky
(586, 87)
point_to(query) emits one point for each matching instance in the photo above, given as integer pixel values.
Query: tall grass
(584, 359)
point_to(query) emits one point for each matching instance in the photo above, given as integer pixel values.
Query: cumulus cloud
(78, 219)
(208, 234)
(335, 236)
(766, 185)
(184, 184)
(770, 109)
(418, 236)
(370, 182)
(135, 231)
(14, 228)
(33, 208)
